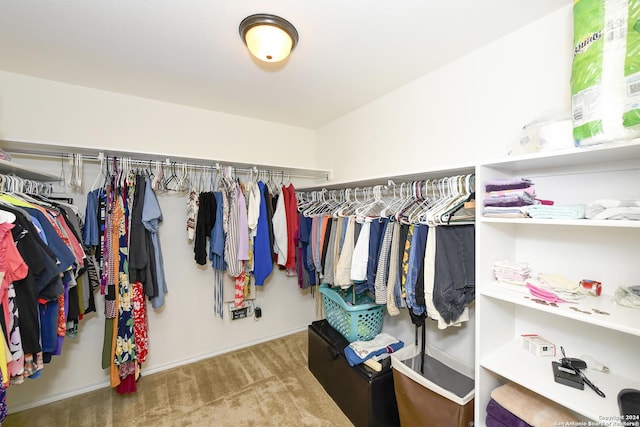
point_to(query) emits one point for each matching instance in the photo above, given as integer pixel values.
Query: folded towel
(555, 212)
(491, 421)
(512, 200)
(504, 212)
(531, 407)
(614, 209)
(502, 417)
(507, 184)
(359, 351)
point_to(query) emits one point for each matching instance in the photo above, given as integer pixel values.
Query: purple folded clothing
(492, 422)
(507, 184)
(509, 201)
(501, 415)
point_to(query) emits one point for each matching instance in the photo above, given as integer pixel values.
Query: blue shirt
(151, 219)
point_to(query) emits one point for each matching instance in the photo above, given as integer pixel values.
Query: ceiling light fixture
(268, 37)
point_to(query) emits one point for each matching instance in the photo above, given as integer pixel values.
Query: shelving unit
(605, 250)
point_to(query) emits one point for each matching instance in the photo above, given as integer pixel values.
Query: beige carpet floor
(264, 385)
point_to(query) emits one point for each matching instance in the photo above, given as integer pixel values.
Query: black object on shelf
(629, 405)
(566, 376)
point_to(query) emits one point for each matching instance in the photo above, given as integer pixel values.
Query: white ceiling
(189, 51)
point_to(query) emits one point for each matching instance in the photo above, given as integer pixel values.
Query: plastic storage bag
(605, 77)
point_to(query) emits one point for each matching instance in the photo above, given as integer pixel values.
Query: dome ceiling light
(269, 38)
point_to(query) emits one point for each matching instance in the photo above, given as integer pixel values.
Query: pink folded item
(543, 294)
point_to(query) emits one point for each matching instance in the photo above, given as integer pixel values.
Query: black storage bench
(366, 397)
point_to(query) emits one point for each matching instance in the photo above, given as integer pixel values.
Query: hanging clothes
(293, 228)
(454, 282)
(343, 268)
(216, 253)
(393, 253)
(262, 246)
(128, 215)
(306, 268)
(234, 264)
(204, 223)
(151, 218)
(414, 267)
(44, 291)
(380, 282)
(281, 238)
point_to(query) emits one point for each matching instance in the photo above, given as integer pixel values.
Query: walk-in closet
(405, 215)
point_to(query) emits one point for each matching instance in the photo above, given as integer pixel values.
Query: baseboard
(103, 384)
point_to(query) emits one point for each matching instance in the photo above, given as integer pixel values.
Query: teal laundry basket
(357, 318)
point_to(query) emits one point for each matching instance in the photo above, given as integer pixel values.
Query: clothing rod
(178, 162)
(390, 189)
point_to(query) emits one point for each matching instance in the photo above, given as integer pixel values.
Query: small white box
(537, 345)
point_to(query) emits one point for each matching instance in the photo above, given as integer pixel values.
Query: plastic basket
(361, 321)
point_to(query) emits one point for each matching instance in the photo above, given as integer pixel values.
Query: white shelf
(512, 362)
(620, 318)
(11, 168)
(562, 222)
(575, 247)
(598, 154)
(40, 149)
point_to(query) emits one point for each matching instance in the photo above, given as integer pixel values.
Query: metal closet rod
(168, 162)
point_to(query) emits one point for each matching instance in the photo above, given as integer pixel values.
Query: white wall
(460, 114)
(185, 329)
(466, 112)
(43, 111)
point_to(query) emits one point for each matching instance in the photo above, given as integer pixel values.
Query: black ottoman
(366, 397)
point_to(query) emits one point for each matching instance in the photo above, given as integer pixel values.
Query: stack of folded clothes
(512, 405)
(359, 351)
(511, 272)
(506, 197)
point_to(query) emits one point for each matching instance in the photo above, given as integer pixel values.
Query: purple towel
(509, 201)
(502, 416)
(492, 422)
(507, 184)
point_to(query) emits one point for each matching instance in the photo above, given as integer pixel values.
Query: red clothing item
(13, 267)
(293, 230)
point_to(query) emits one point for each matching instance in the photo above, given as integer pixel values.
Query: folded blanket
(555, 212)
(613, 209)
(501, 417)
(531, 407)
(359, 351)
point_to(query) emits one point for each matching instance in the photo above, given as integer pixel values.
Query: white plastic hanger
(7, 217)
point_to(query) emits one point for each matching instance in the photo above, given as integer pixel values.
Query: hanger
(374, 206)
(7, 217)
(101, 171)
(172, 183)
